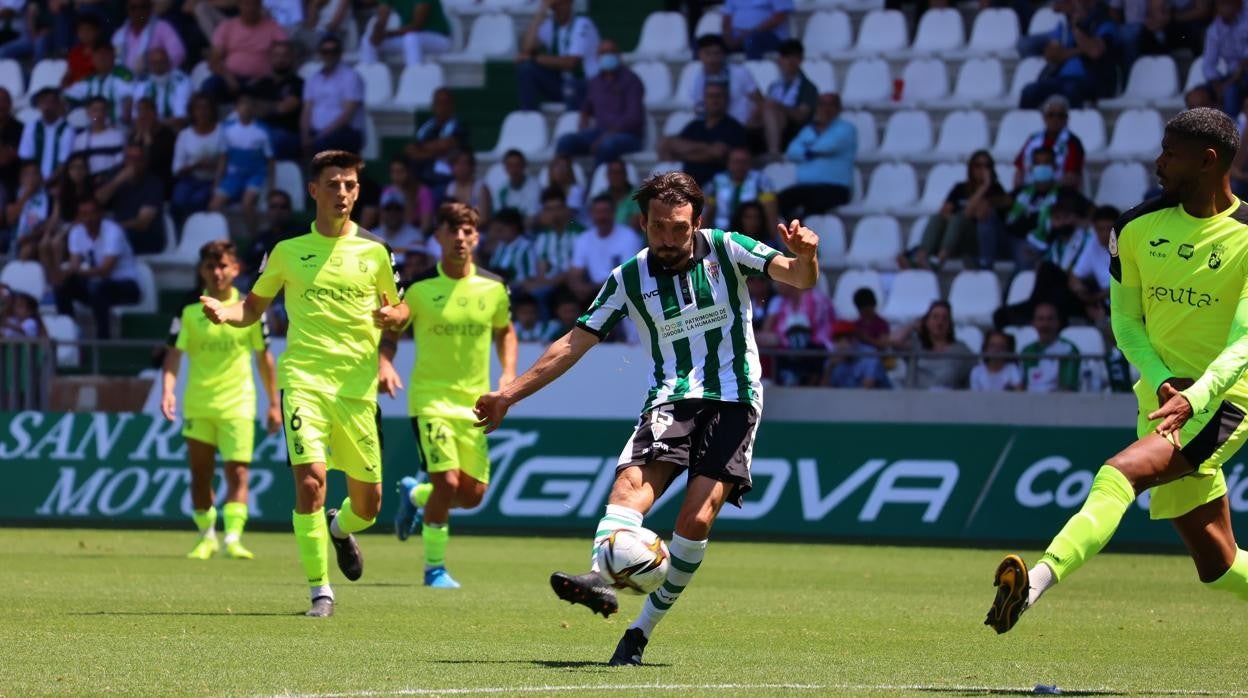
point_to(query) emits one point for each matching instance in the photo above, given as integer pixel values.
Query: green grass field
(121, 612)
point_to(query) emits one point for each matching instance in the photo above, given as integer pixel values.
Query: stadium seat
(912, 293)
(906, 134)
(868, 133)
(1005, 173)
(995, 32)
(663, 35)
(875, 244)
(764, 73)
(940, 31)
(46, 73)
(492, 35)
(568, 122)
(1088, 339)
(495, 176)
(171, 230)
(980, 81)
(1021, 286)
(962, 133)
(27, 115)
(974, 296)
(598, 181)
(202, 72)
(148, 291)
(868, 80)
(1023, 335)
(782, 174)
(657, 78)
(666, 166)
(64, 331)
(940, 179)
(915, 236)
(848, 283)
(24, 277)
(684, 85)
(831, 232)
(200, 228)
(417, 83)
(676, 122)
(1153, 79)
(1043, 21)
(1137, 134)
(1089, 125)
(970, 335)
(882, 32)
(712, 22)
(11, 79)
(1025, 73)
(288, 177)
(925, 80)
(1195, 75)
(372, 139)
(1122, 185)
(1013, 130)
(523, 130)
(378, 84)
(893, 187)
(307, 70)
(828, 34)
(821, 73)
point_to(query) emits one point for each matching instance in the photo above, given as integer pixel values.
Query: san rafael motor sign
(846, 481)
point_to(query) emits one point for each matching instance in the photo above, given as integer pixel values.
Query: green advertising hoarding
(923, 483)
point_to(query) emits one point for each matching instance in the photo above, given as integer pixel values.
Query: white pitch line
(489, 690)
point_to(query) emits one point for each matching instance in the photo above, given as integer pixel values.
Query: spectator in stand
(1068, 154)
(528, 320)
(751, 221)
(969, 222)
(395, 228)
(240, 50)
(510, 254)
(418, 204)
(420, 29)
(554, 246)
(1027, 222)
(601, 249)
(613, 118)
(109, 81)
(281, 226)
(560, 173)
(10, 142)
(1158, 27)
(736, 185)
(799, 319)
(196, 156)
(872, 328)
(942, 362)
(100, 142)
(21, 318)
(321, 17)
(1089, 277)
(79, 63)
(464, 186)
(756, 26)
(1225, 62)
(1041, 373)
(437, 141)
(788, 105)
(101, 272)
(28, 31)
(74, 186)
(995, 373)
(156, 139)
(28, 212)
(852, 363)
(333, 104)
(519, 191)
(135, 196)
(367, 211)
(627, 212)
(1239, 166)
(143, 32)
(279, 101)
(211, 14)
(246, 168)
(566, 311)
(740, 91)
(168, 88)
(558, 53)
(48, 140)
(703, 144)
(825, 152)
(1080, 60)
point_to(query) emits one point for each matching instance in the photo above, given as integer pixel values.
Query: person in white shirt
(49, 140)
(333, 104)
(196, 155)
(101, 271)
(246, 167)
(100, 142)
(1089, 277)
(558, 53)
(995, 372)
(416, 28)
(743, 94)
(29, 212)
(520, 191)
(600, 249)
(168, 88)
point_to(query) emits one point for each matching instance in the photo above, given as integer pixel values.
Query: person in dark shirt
(970, 214)
(613, 117)
(157, 140)
(135, 196)
(437, 141)
(10, 139)
(279, 101)
(703, 144)
(281, 226)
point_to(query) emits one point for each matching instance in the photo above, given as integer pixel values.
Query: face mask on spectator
(1064, 231)
(1041, 174)
(609, 61)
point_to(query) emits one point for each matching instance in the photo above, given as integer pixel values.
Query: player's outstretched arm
(801, 270)
(558, 358)
(243, 314)
(169, 380)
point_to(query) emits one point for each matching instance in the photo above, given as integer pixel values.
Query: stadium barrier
(812, 480)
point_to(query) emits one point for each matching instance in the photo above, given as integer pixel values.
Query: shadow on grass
(541, 663)
(189, 613)
(959, 691)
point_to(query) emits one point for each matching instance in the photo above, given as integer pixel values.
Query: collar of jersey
(1219, 215)
(354, 229)
(472, 271)
(701, 248)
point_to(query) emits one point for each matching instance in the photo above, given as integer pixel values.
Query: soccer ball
(633, 559)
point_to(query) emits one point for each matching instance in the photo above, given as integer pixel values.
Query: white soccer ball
(633, 559)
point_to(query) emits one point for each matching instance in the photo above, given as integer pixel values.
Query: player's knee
(469, 497)
(1130, 465)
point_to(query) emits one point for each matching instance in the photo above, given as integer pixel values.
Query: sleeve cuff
(1198, 397)
(587, 328)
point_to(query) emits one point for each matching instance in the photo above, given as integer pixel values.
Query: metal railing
(28, 365)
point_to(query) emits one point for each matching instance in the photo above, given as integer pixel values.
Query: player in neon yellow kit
(339, 281)
(458, 309)
(219, 412)
(1181, 261)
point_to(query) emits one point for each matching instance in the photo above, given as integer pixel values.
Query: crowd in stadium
(105, 168)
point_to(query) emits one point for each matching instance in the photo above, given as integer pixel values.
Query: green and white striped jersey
(697, 322)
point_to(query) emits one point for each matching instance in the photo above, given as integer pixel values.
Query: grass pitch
(121, 612)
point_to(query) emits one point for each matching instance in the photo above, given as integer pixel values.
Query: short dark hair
(330, 38)
(672, 188)
(554, 191)
(792, 47)
(104, 46)
(710, 40)
(1106, 213)
(602, 199)
(97, 100)
(216, 250)
(89, 20)
(865, 298)
(510, 216)
(455, 214)
(523, 299)
(281, 193)
(1210, 128)
(334, 158)
(1070, 200)
(514, 153)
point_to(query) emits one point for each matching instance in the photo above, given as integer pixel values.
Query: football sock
(1089, 530)
(312, 534)
(435, 538)
(206, 522)
(235, 520)
(1041, 577)
(420, 493)
(1236, 579)
(347, 521)
(617, 517)
(686, 555)
(322, 590)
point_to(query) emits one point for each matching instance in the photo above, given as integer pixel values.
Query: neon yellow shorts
(343, 433)
(233, 438)
(1208, 440)
(452, 444)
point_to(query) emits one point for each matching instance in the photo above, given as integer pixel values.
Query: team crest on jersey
(363, 266)
(1186, 251)
(336, 261)
(712, 270)
(1113, 243)
(1215, 255)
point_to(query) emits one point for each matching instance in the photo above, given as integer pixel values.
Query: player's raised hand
(213, 309)
(801, 241)
(169, 406)
(273, 418)
(389, 317)
(490, 410)
(1174, 412)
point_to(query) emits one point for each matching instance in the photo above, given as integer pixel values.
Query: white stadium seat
(492, 35)
(11, 79)
(893, 187)
(378, 90)
(907, 133)
(995, 32)
(940, 179)
(1013, 130)
(915, 236)
(925, 80)
(1152, 79)
(827, 34)
(1195, 75)
(868, 134)
(289, 178)
(821, 73)
(1023, 335)
(676, 122)
(1089, 125)
(1025, 73)
(24, 277)
(1137, 134)
(1122, 185)
(867, 80)
(63, 330)
(912, 293)
(495, 176)
(523, 130)
(598, 180)
(970, 335)
(663, 35)
(962, 133)
(417, 83)
(882, 32)
(47, 73)
(974, 296)
(372, 139)
(684, 85)
(848, 283)
(1089, 340)
(831, 232)
(1021, 287)
(764, 73)
(980, 80)
(657, 78)
(875, 244)
(712, 22)
(940, 31)
(200, 228)
(782, 174)
(1043, 21)
(568, 122)
(148, 291)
